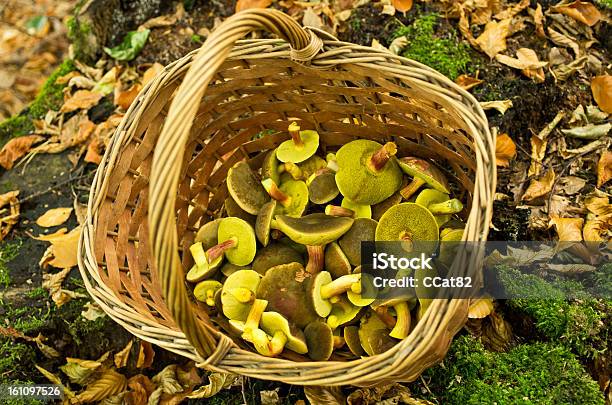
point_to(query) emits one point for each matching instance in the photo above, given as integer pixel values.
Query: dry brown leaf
(16, 148)
(141, 388)
(121, 358)
(92, 311)
(568, 229)
(480, 308)
(151, 72)
(564, 40)
(467, 82)
(598, 203)
(499, 105)
(125, 98)
(246, 4)
(601, 86)
(74, 132)
(93, 151)
(512, 11)
(55, 380)
(604, 168)
(464, 27)
(146, 354)
(571, 184)
(596, 229)
(63, 249)
(402, 5)
(535, 71)
(80, 371)
(81, 100)
(493, 39)
(109, 383)
(538, 150)
(540, 187)
(324, 395)
(8, 216)
(581, 11)
(52, 282)
(505, 150)
(54, 217)
(312, 19)
(538, 19)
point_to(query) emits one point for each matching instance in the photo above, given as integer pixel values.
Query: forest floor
(534, 352)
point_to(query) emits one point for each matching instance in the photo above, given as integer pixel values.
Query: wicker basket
(163, 176)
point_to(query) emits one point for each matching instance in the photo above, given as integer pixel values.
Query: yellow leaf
(601, 86)
(16, 148)
(581, 11)
(246, 4)
(121, 358)
(63, 249)
(540, 187)
(505, 149)
(151, 72)
(595, 229)
(10, 216)
(55, 380)
(499, 105)
(598, 204)
(81, 100)
(146, 354)
(512, 11)
(216, 382)
(535, 71)
(568, 229)
(125, 98)
(480, 308)
(80, 371)
(538, 150)
(538, 19)
(467, 82)
(604, 168)
(110, 383)
(402, 5)
(493, 39)
(54, 217)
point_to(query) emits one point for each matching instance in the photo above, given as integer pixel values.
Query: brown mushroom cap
(351, 337)
(207, 234)
(320, 340)
(422, 172)
(228, 269)
(322, 188)
(269, 167)
(245, 188)
(286, 295)
(363, 229)
(336, 262)
(263, 222)
(314, 229)
(232, 209)
(274, 255)
(374, 335)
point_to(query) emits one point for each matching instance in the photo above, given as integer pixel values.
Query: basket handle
(170, 148)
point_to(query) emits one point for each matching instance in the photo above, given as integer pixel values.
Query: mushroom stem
(412, 188)
(242, 295)
(340, 285)
(294, 170)
(276, 192)
(332, 163)
(447, 207)
(294, 131)
(385, 316)
(210, 297)
(252, 321)
(406, 238)
(337, 211)
(380, 158)
(316, 259)
(402, 326)
(216, 251)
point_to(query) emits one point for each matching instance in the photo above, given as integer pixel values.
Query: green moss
(81, 328)
(8, 252)
(37, 293)
(541, 373)
(448, 54)
(196, 38)
(27, 319)
(605, 3)
(13, 354)
(50, 97)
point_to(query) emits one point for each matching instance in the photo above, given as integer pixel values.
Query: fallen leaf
(108, 384)
(601, 86)
(604, 168)
(590, 131)
(125, 98)
(558, 206)
(146, 354)
(505, 150)
(246, 4)
(54, 217)
(141, 388)
(574, 268)
(269, 397)
(571, 184)
(324, 395)
(564, 40)
(216, 382)
(467, 82)
(74, 132)
(151, 72)
(480, 308)
(92, 311)
(55, 380)
(464, 27)
(80, 371)
(499, 105)
(538, 19)
(166, 380)
(598, 203)
(496, 333)
(596, 229)
(538, 150)
(568, 229)
(131, 46)
(63, 249)
(398, 44)
(81, 100)
(106, 84)
(402, 5)
(16, 148)
(595, 115)
(165, 20)
(581, 11)
(535, 71)
(312, 19)
(8, 218)
(540, 187)
(392, 393)
(493, 39)
(121, 358)
(93, 151)
(52, 282)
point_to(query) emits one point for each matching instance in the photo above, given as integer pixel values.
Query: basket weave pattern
(163, 176)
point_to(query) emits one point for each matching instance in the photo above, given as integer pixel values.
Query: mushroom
(228, 269)
(363, 229)
(323, 288)
(336, 262)
(410, 223)
(263, 222)
(205, 291)
(322, 187)
(301, 146)
(245, 189)
(292, 196)
(206, 262)
(270, 167)
(379, 209)
(274, 255)
(422, 173)
(311, 166)
(342, 312)
(351, 337)
(320, 340)
(363, 293)
(274, 324)
(332, 163)
(232, 209)
(401, 306)
(207, 234)
(314, 231)
(238, 293)
(286, 295)
(336, 211)
(424, 294)
(439, 204)
(237, 240)
(449, 242)
(360, 210)
(374, 334)
(368, 172)
(251, 331)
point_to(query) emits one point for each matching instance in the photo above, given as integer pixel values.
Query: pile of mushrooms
(279, 268)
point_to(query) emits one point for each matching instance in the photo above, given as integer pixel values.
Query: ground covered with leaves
(541, 71)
